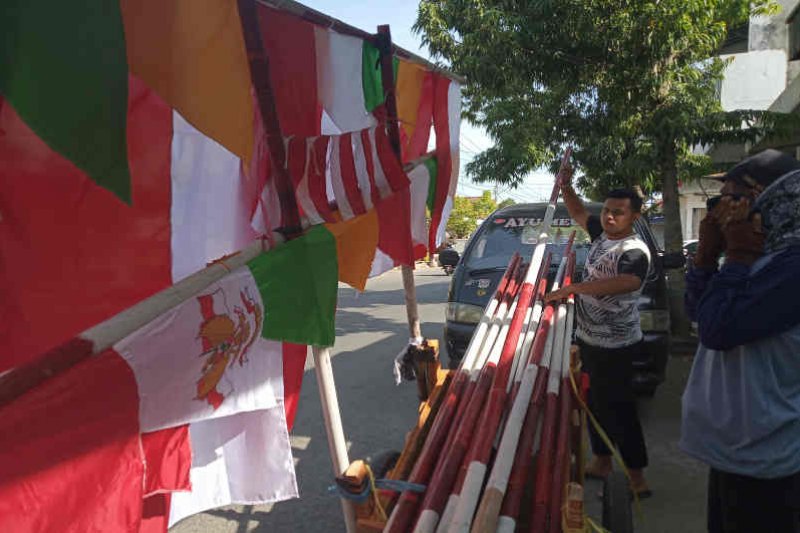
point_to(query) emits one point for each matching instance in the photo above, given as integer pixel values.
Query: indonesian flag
(331, 83)
(125, 168)
(423, 183)
(447, 125)
(125, 137)
(349, 177)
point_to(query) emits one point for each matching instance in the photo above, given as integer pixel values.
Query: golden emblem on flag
(226, 339)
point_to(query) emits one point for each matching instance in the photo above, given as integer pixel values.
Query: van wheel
(617, 512)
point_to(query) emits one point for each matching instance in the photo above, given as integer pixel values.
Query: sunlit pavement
(371, 329)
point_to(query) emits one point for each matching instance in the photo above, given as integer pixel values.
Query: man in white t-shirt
(608, 328)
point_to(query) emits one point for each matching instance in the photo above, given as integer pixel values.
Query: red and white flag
(190, 404)
(344, 176)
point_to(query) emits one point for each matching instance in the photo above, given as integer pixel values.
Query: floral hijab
(779, 206)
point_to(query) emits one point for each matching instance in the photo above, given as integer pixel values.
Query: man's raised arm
(573, 202)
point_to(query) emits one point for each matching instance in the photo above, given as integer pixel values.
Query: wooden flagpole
(384, 42)
(260, 76)
(102, 336)
(290, 218)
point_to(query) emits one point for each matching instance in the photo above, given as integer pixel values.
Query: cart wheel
(382, 462)
(617, 513)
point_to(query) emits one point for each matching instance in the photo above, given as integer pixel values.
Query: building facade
(763, 74)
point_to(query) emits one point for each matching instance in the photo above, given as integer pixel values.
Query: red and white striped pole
(545, 460)
(472, 404)
(481, 449)
(489, 427)
(502, 343)
(496, 333)
(488, 513)
(443, 479)
(560, 471)
(481, 330)
(531, 325)
(497, 328)
(529, 439)
(515, 364)
(492, 359)
(526, 449)
(404, 512)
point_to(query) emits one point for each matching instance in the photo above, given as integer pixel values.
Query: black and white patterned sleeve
(634, 262)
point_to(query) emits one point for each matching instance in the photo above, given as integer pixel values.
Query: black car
(515, 229)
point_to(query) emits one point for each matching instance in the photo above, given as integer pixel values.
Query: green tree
(484, 206)
(461, 222)
(466, 213)
(505, 203)
(631, 85)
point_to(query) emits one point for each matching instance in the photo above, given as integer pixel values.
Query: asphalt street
(371, 329)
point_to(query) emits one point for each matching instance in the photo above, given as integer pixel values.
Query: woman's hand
(744, 240)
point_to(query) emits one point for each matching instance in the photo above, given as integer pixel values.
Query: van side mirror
(448, 257)
(673, 260)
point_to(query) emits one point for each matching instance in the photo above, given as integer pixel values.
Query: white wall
(692, 197)
(753, 80)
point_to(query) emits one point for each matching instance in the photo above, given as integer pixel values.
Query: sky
(400, 15)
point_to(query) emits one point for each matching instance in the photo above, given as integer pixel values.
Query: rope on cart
(396, 485)
(374, 491)
(372, 487)
(607, 441)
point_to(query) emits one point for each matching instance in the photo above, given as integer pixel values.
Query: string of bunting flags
(127, 171)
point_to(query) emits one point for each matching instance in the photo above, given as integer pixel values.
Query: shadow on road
(371, 329)
(376, 414)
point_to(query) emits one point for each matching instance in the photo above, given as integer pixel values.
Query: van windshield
(501, 237)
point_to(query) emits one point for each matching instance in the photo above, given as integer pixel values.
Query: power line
(470, 147)
(468, 141)
(468, 186)
(466, 138)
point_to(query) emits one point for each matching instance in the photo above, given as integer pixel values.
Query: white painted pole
(415, 333)
(465, 498)
(333, 424)
(508, 455)
(17, 381)
(485, 335)
(492, 357)
(518, 351)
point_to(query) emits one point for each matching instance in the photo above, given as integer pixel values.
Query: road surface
(371, 329)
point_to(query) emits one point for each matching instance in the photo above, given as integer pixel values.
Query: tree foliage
(631, 85)
(505, 203)
(467, 212)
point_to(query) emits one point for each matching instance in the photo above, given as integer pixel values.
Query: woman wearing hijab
(741, 406)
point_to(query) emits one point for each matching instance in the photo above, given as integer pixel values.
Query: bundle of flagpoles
(507, 409)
